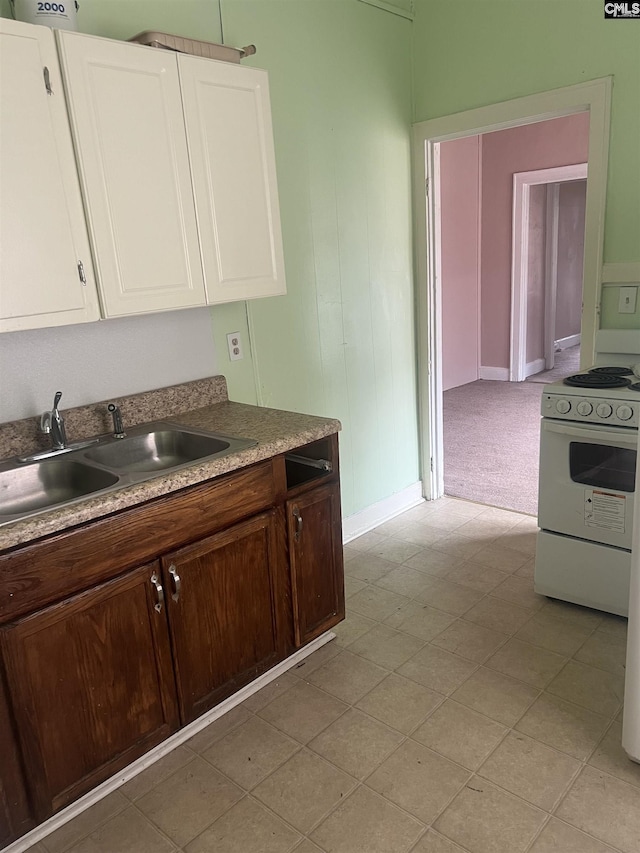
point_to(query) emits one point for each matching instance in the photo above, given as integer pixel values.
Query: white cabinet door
(126, 116)
(228, 120)
(43, 236)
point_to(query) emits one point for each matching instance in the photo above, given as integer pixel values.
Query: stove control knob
(604, 410)
(563, 406)
(585, 408)
(624, 412)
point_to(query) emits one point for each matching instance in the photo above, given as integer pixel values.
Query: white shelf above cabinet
(43, 237)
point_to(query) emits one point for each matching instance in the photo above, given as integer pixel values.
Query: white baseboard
(533, 367)
(499, 373)
(365, 520)
(27, 841)
(566, 343)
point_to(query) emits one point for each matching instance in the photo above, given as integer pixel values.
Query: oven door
(587, 481)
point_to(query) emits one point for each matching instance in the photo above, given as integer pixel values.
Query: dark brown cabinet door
(91, 685)
(225, 611)
(15, 818)
(315, 553)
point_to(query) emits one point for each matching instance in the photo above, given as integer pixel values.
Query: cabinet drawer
(46, 571)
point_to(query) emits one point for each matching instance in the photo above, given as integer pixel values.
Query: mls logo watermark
(621, 10)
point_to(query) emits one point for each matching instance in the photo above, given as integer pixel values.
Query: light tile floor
(456, 711)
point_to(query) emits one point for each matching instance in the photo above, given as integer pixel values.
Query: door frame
(593, 96)
(522, 183)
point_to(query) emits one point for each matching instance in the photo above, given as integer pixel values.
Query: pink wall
(459, 261)
(571, 208)
(559, 142)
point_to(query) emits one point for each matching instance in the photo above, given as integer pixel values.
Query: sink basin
(106, 465)
(158, 450)
(42, 485)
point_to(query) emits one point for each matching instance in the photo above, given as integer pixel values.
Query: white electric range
(588, 451)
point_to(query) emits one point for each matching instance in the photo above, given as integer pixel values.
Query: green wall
(341, 342)
(476, 52)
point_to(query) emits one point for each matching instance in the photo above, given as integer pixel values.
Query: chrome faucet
(118, 427)
(52, 423)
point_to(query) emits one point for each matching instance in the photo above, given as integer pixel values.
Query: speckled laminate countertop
(275, 431)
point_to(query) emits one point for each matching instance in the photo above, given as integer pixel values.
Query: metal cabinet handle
(175, 582)
(157, 586)
(47, 80)
(298, 518)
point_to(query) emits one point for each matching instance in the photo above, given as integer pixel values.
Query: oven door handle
(586, 431)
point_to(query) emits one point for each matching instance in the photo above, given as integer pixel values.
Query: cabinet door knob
(175, 582)
(298, 518)
(157, 586)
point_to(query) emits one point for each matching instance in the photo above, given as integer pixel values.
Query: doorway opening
(511, 249)
(547, 271)
(593, 98)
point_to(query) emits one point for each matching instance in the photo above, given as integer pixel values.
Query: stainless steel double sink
(106, 465)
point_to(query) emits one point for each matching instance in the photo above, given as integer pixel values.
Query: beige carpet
(566, 362)
(491, 443)
(492, 436)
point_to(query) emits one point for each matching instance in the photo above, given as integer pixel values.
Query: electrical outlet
(234, 344)
(627, 301)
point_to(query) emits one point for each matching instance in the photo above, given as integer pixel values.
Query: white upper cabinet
(126, 115)
(171, 198)
(228, 121)
(43, 237)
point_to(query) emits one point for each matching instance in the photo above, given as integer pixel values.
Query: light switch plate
(627, 300)
(234, 343)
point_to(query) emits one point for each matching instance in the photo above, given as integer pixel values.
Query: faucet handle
(56, 399)
(118, 428)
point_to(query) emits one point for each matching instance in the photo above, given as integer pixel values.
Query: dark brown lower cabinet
(314, 529)
(236, 574)
(92, 686)
(224, 602)
(93, 678)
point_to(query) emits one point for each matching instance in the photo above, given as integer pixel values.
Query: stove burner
(635, 386)
(612, 371)
(597, 380)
